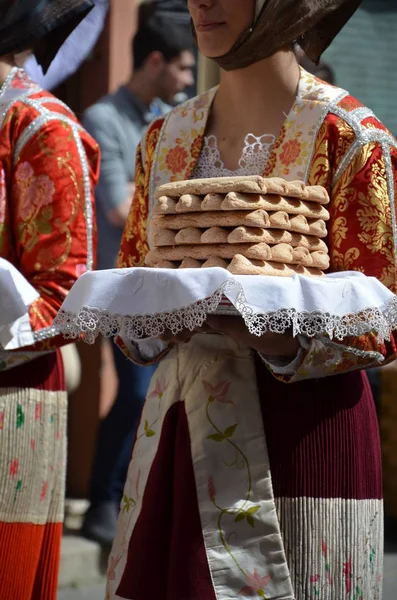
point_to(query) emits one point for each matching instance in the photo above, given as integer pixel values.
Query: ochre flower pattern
(176, 159)
(290, 152)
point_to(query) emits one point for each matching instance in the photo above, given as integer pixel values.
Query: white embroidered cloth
(16, 295)
(141, 303)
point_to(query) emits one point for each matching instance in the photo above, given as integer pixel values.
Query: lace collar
(253, 160)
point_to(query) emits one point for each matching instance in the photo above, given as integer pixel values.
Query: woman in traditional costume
(48, 170)
(256, 470)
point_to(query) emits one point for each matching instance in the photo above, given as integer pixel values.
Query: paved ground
(390, 585)
(97, 592)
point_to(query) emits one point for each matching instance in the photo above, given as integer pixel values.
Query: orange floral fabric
(43, 222)
(134, 245)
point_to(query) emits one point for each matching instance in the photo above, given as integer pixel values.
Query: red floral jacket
(48, 170)
(328, 139)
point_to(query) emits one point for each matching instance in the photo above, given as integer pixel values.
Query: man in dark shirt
(164, 62)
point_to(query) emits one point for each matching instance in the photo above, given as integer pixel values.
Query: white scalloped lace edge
(90, 322)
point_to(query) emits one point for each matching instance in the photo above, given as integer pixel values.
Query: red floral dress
(48, 170)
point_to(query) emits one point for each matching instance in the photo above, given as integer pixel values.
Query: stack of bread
(247, 225)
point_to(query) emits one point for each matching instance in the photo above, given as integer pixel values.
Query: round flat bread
(247, 185)
(283, 253)
(275, 203)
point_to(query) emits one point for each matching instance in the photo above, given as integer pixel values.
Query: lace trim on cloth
(253, 160)
(90, 322)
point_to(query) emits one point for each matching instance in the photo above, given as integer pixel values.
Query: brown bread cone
(243, 266)
(163, 264)
(316, 193)
(162, 237)
(281, 220)
(301, 256)
(310, 193)
(212, 202)
(318, 228)
(241, 235)
(240, 201)
(321, 260)
(215, 261)
(190, 263)
(286, 254)
(215, 235)
(308, 241)
(282, 253)
(190, 235)
(188, 203)
(165, 206)
(298, 224)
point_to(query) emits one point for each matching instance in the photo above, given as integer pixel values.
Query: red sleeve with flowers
(134, 245)
(361, 236)
(48, 221)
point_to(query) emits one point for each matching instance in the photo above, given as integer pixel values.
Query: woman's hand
(269, 344)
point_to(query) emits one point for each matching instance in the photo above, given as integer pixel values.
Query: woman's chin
(213, 50)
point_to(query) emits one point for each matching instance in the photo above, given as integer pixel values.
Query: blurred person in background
(48, 171)
(163, 68)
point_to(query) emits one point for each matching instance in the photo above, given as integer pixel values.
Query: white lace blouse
(253, 160)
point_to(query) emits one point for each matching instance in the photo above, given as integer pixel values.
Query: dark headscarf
(43, 25)
(280, 23)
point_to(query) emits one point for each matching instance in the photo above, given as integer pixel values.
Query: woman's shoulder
(189, 113)
(41, 112)
(349, 134)
(25, 100)
(349, 118)
(338, 112)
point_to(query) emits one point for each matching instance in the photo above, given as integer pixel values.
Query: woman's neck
(257, 98)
